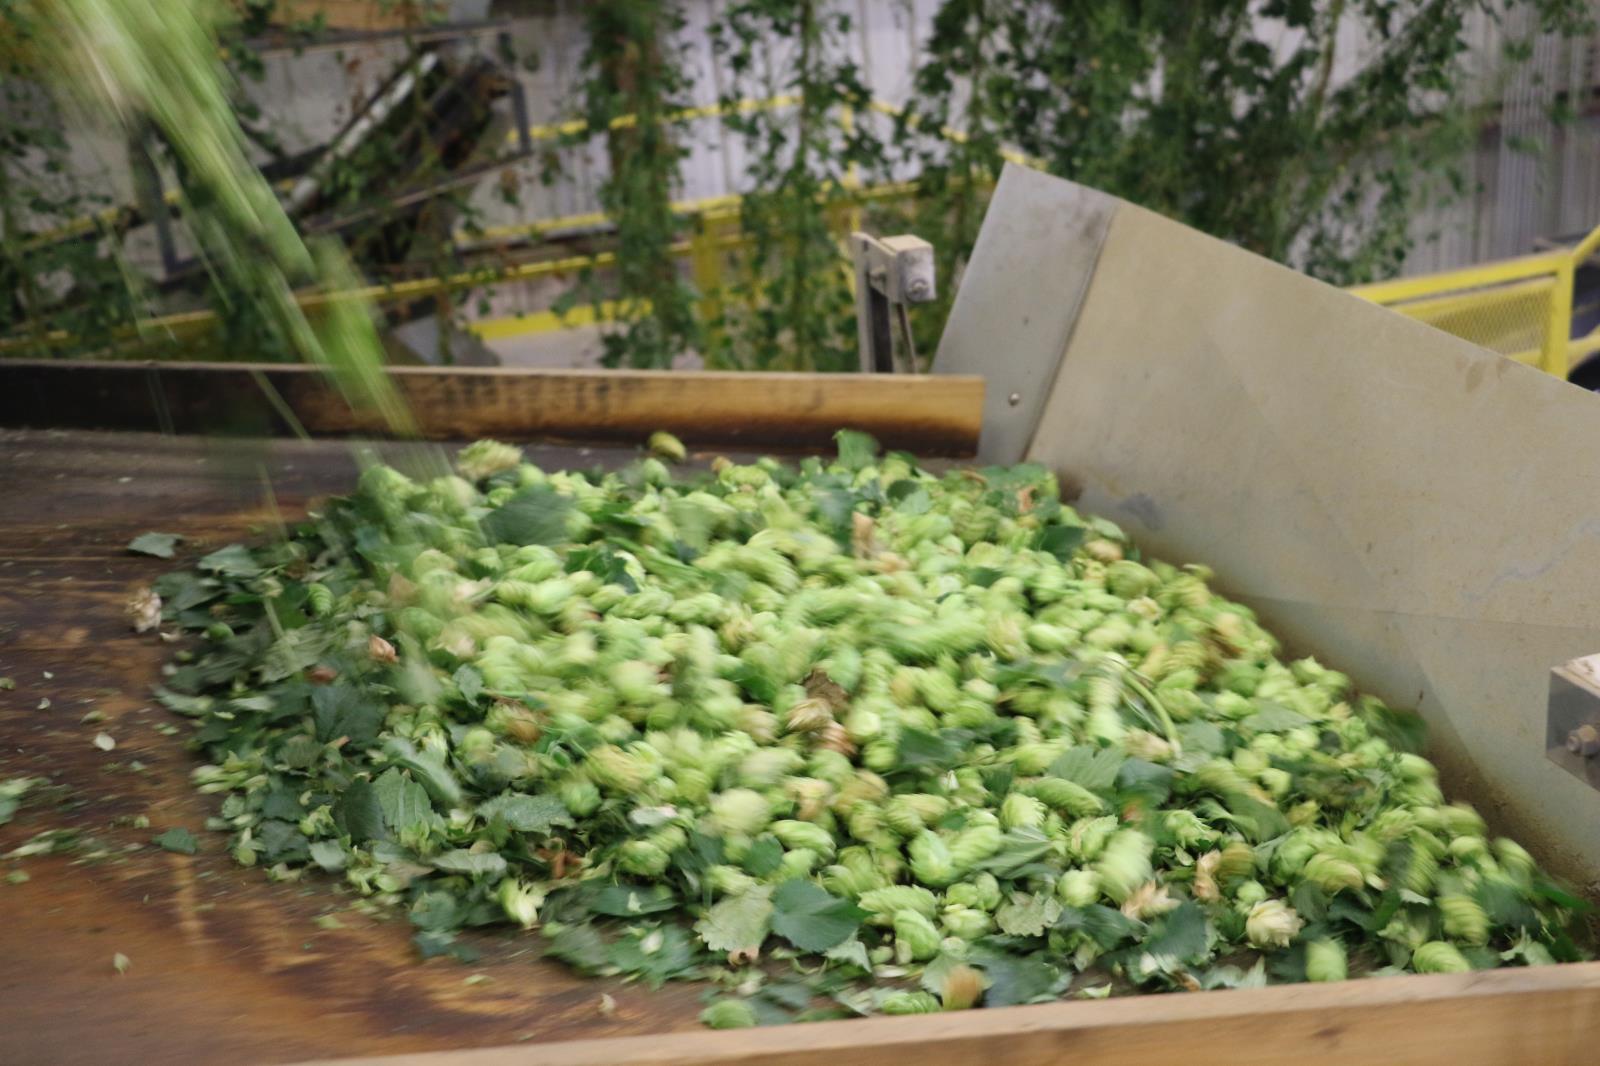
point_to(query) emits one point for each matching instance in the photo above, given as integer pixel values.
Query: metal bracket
(891, 274)
(1572, 725)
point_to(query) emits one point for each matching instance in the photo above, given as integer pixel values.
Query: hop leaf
(1437, 956)
(812, 919)
(738, 923)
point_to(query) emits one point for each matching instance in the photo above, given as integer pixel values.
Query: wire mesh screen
(1511, 319)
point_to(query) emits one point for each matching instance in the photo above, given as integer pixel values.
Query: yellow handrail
(1465, 298)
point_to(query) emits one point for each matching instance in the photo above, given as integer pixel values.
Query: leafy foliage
(633, 92)
(791, 309)
(60, 265)
(1228, 115)
(817, 735)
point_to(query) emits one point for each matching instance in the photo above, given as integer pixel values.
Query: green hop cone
(728, 1014)
(1437, 956)
(1124, 865)
(916, 939)
(1021, 811)
(931, 860)
(911, 1003)
(1464, 919)
(1078, 888)
(1325, 960)
(884, 903)
(968, 923)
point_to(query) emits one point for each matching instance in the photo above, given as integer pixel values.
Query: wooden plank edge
(927, 414)
(1531, 1017)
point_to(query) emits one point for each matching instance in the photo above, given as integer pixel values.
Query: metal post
(891, 274)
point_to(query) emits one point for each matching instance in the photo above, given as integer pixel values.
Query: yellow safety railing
(1521, 308)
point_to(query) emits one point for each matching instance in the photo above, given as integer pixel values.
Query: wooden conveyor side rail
(931, 415)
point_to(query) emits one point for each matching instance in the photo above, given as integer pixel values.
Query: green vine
(1186, 107)
(792, 309)
(634, 88)
(56, 275)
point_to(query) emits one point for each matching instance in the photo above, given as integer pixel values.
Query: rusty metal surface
(224, 964)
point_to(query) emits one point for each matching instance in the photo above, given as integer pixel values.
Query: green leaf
(1544, 888)
(178, 839)
(525, 813)
(430, 768)
(1274, 718)
(433, 943)
(436, 912)
(604, 563)
(738, 922)
(1201, 737)
(580, 946)
(344, 710)
(329, 854)
(1015, 979)
(178, 703)
(183, 589)
(536, 515)
(1149, 781)
(909, 497)
(834, 509)
(1019, 848)
(811, 918)
(919, 749)
(1060, 541)
(655, 955)
(1106, 926)
(852, 951)
(475, 863)
(1258, 821)
(1177, 937)
(628, 901)
(469, 683)
(1028, 915)
(1506, 905)
(856, 449)
(763, 856)
(932, 977)
(358, 813)
(233, 561)
(280, 841)
(161, 545)
(404, 803)
(1093, 768)
(754, 682)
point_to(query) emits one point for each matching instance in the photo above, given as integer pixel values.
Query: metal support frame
(891, 274)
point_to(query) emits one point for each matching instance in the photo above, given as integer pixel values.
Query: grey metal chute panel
(1018, 298)
(1410, 508)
